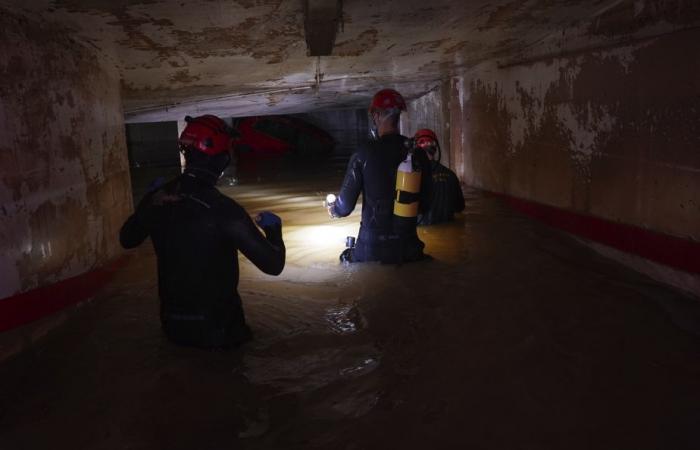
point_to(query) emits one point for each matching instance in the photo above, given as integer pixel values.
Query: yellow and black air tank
(408, 179)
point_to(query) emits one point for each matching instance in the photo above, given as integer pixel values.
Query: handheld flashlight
(329, 203)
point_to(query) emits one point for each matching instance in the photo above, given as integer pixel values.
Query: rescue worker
(196, 232)
(447, 198)
(384, 236)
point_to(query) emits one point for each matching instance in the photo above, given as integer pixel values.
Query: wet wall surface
(512, 337)
(64, 179)
(609, 132)
(599, 120)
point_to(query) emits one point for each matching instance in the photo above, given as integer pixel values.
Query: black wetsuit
(196, 232)
(447, 198)
(372, 171)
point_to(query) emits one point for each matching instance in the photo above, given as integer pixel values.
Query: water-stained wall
(64, 180)
(610, 132)
(613, 133)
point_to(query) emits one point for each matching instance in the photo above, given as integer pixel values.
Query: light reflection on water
(345, 319)
(309, 327)
(364, 366)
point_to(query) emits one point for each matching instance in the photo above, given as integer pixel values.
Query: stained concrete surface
(64, 176)
(607, 131)
(514, 336)
(250, 57)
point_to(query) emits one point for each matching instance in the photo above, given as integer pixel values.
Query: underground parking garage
(559, 309)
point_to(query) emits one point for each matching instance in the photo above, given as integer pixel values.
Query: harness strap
(407, 197)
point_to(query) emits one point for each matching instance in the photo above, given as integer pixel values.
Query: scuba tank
(408, 179)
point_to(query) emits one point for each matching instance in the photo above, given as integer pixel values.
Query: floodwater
(514, 336)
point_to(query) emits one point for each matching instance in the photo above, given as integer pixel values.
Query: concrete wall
(64, 180)
(614, 134)
(611, 132)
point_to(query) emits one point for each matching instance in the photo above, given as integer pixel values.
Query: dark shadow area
(153, 154)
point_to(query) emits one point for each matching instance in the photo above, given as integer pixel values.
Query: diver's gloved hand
(271, 225)
(155, 184)
(266, 219)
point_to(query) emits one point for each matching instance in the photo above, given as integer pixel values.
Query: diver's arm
(132, 233)
(351, 187)
(266, 252)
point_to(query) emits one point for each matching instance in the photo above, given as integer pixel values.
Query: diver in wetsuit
(196, 232)
(447, 198)
(384, 236)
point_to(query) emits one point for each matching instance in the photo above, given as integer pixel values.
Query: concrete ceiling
(246, 57)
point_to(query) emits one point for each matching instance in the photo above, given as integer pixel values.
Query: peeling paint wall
(243, 58)
(612, 133)
(64, 180)
(602, 129)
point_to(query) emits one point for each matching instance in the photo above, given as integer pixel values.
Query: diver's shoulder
(158, 188)
(227, 205)
(394, 142)
(447, 170)
(223, 200)
(365, 146)
(360, 154)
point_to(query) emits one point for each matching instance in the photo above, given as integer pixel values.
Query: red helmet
(425, 138)
(387, 99)
(208, 134)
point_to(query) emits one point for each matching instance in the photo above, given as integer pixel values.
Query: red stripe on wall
(682, 254)
(29, 306)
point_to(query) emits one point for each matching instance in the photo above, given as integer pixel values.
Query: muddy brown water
(514, 336)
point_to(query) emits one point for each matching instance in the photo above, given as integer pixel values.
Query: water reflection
(345, 319)
(505, 330)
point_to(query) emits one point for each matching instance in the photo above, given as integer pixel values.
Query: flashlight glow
(330, 199)
(324, 236)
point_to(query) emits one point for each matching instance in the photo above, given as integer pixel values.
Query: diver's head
(385, 112)
(426, 139)
(206, 143)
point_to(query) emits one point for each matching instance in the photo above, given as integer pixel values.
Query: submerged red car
(263, 137)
